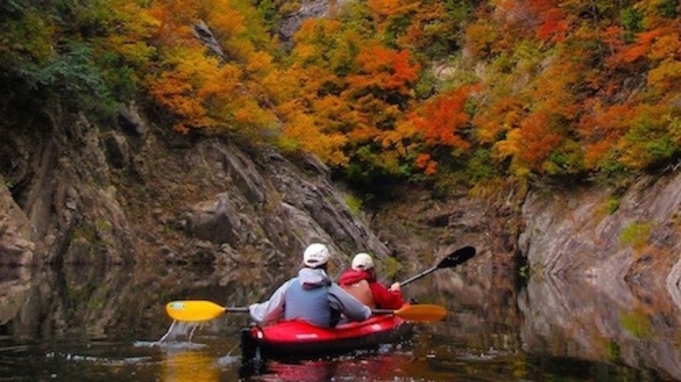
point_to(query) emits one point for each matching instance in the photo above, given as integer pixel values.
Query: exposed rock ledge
(578, 235)
(78, 192)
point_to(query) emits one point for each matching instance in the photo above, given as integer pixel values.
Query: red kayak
(300, 339)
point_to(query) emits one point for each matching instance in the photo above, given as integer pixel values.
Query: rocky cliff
(610, 238)
(75, 191)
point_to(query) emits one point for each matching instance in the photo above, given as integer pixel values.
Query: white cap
(316, 255)
(362, 261)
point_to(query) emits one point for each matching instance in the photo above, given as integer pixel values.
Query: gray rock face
(291, 23)
(580, 233)
(59, 181)
(276, 207)
(15, 231)
(121, 194)
(600, 273)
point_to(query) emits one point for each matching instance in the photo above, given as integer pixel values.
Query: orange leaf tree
(437, 129)
(199, 88)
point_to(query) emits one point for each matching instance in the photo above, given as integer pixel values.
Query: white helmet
(362, 262)
(316, 255)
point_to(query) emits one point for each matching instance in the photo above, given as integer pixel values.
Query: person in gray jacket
(311, 296)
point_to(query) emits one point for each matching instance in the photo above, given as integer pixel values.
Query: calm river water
(86, 324)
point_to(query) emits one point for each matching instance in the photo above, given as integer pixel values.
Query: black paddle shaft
(236, 309)
(455, 258)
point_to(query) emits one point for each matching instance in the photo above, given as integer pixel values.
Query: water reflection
(387, 365)
(581, 320)
(193, 365)
(94, 324)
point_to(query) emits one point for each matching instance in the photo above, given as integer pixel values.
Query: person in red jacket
(360, 281)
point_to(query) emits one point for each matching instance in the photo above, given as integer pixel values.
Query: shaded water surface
(82, 324)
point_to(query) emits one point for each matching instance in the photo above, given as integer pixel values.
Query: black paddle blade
(457, 257)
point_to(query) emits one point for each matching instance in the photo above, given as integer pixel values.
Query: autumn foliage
(404, 88)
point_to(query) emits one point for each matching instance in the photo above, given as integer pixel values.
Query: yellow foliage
(648, 138)
(509, 146)
(225, 21)
(480, 37)
(174, 91)
(665, 47)
(328, 147)
(385, 10)
(666, 77)
(259, 62)
(34, 37)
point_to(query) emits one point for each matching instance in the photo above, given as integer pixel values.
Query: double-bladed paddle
(455, 258)
(203, 310)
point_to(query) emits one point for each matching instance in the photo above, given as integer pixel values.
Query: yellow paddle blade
(194, 310)
(422, 312)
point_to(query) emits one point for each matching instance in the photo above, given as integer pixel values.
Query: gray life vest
(311, 305)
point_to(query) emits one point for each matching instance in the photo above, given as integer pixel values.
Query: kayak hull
(298, 339)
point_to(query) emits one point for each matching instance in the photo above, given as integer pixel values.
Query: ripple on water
(99, 360)
(228, 360)
(171, 345)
